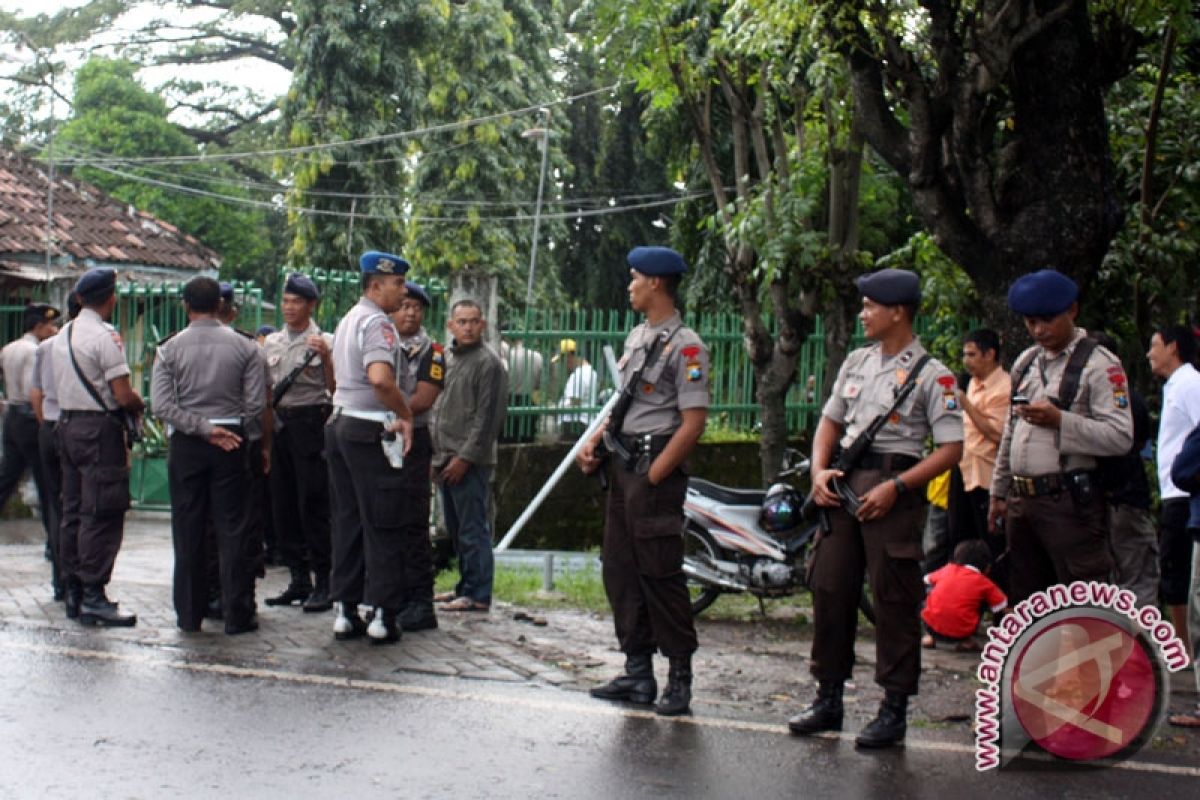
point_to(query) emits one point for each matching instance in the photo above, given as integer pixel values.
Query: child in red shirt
(960, 591)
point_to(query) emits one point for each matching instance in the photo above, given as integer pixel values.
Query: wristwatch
(901, 486)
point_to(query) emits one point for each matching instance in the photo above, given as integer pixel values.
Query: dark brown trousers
(889, 551)
(643, 565)
(1052, 539)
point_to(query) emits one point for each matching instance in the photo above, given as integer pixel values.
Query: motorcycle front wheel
(698, 544)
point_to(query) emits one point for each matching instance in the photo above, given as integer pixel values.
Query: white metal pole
(544, 139)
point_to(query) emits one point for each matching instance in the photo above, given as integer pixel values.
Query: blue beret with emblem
(417, 293)
(96, 280)
(302, 286)
(1045, 293)
(374, 261)
(656, 262)
(890, 287)
(226, 291)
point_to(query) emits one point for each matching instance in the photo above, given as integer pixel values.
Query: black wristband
(901, 486)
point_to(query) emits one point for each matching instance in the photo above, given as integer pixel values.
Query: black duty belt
(1040, 485)
(652, 443)
(65, 414)
(887, 462)
(303, 412)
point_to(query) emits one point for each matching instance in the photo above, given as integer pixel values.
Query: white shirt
(1180, 415)
(579, 391)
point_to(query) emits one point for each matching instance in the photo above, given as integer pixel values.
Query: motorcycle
(749, 541)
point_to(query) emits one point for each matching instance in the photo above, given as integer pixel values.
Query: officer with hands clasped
(300, 361)
(883, 536)
(366, 485)
(664, 371)
(96, 401)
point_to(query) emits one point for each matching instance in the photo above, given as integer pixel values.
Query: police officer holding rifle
(875, 512)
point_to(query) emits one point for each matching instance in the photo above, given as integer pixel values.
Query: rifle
(282, 387)
(847, 458)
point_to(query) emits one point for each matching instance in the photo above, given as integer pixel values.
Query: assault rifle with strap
(847, 458)
(284, 385)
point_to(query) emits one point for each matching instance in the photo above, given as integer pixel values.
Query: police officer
(95, 400)
(208, 381)
(367, 491)
(643, 548)
(20, 422)
(1045, 488)
(44, 398)
(422, 375)
(884, 537)
(301, 372)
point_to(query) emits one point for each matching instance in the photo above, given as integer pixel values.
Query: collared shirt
(675, 382)
(580, 391)
(101, 358)
(285, 352)
(365, 336)
(866, 387)
(422, 360)
(524, 369)
(990, 398)
(207, 371)
(43, 379)
(1180, 414)
(16, 359)
(470, 412)
(1098, 423)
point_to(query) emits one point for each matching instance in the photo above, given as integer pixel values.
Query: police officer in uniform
(643, 548)
(299, 358)
(422, 375)
(20, 422)
(1045, 488)
(884, 538)
(95, 398)
(367, 491)
(208, 381)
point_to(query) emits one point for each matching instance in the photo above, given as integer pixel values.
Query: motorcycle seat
(726, 495)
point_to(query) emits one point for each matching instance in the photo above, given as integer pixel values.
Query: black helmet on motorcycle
(780, 509)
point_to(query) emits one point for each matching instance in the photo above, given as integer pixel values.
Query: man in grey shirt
(208, 382)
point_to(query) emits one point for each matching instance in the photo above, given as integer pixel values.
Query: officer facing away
(884, 536)
(94, 395)
(665, 367)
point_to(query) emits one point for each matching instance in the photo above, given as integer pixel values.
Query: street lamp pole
(543, 136)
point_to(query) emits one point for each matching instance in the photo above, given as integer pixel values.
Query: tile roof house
(90, 229)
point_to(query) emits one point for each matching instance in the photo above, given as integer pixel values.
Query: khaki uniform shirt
(284, 353)
(866, 387)
(1098, 423)
(101, 356)
(677, 381)
(207, 372)
(365, 336)
(421, 360)
(43, 379)
(16, 359)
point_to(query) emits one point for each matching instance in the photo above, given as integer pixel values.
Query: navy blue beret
(656, 262)
(891, 287)
(383, 263)
(226, 291)
(1045, 293)
(264, 330)
(301, 285)
(40, 312)
(96, 280)
(417, 293)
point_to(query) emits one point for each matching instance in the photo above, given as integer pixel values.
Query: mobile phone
(1020, 400)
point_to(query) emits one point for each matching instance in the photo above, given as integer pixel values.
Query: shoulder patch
(388, 331)
(946, 381)
(691, 351)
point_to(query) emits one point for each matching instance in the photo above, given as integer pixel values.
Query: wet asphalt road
(82, 716)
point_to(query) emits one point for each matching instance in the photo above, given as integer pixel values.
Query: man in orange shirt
(985, 403)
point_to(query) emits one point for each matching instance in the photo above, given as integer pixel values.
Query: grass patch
(582, 589)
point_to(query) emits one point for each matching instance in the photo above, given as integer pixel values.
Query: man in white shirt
(580, 391)
(1172, 352)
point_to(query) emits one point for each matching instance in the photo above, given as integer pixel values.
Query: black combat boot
(298, 590)
(825, 714)
(383, 628)
(677, 697)
(637, 685)
(418, 615)
(74, 597)
(319, 600)
(889, 726)
(348, 624)
(97, 609)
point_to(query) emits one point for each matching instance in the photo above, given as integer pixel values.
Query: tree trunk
(773, 382)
